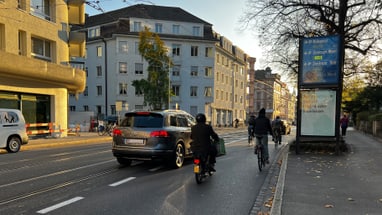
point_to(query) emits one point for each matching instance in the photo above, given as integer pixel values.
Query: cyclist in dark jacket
(262, 127)
(201, 135)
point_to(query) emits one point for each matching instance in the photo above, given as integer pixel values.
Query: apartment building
(36, 48)
(208, 73)
(273, 95)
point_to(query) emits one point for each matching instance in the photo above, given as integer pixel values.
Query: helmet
(200, 118)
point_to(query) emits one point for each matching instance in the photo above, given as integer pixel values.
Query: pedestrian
(201, 135)
(276, 129)
(344, 122)
(236, 122)
(262, 127)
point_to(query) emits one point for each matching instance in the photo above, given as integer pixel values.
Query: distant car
(151, 135)
(285, 128)
(12, 130)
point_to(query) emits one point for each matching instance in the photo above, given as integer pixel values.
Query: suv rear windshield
(143, 120)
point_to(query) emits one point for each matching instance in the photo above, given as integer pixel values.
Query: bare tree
(281, 23)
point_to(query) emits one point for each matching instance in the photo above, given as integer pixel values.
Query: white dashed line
(121, 182)
(59, 205)
(156, 168)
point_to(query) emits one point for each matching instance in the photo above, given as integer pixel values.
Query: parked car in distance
(12, 130)
(285, 128)
(151, 135)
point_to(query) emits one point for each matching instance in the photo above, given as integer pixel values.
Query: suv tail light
(117, 132)
(160, 133)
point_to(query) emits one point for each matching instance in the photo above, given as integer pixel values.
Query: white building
(201, 58)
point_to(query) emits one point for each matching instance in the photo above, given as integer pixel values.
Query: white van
(12, 130)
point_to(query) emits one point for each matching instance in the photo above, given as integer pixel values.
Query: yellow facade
(35, 50)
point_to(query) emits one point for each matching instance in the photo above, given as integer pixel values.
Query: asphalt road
(86, 179)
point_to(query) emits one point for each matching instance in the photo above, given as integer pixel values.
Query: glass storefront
(35, 107)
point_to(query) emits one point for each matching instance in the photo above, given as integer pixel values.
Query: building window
(194, 51)
(175, 90)
(193, 91)
(196, 31)
(86, 91)
(41, 49)
(94, 32)
(208, 71)
(122, 89)
(138, 92)
(99, 109)
(208, 91)
(139, 68)
(175, 49)
(122, 67)
(123, 47)
(86, 108)
(41, 8)
(176, 29)
(194, 71)
(158, 27)
(22, 43)
(99, 70)
(21, 4)
(99, 90)
(136, 48)
(137, 26)
(209, 52)
(99, 51)
(72, 108)
(176, 70)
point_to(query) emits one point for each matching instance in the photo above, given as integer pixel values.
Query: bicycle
(250, 136)
(102, 130)
(259, 150)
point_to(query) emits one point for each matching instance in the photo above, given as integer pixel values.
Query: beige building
(230, 100)
(36, 46)
(273, 95)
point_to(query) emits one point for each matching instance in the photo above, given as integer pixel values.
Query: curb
(278, 197)
(64, 142)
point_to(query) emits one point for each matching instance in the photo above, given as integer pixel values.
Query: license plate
(135, 141)
(196, 168)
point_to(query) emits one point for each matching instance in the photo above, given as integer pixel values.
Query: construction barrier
(48, 128)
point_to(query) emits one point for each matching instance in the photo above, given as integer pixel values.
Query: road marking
(121, 182)
(156, 168)
(59, 205)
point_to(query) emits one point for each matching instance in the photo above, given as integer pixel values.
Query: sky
(224, 16)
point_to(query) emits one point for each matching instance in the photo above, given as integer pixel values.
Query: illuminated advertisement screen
(320, 60)
(318, 112)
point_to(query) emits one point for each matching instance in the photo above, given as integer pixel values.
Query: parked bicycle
(102, 130)
(259, 150)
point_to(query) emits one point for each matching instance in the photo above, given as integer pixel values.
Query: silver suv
(150, 135)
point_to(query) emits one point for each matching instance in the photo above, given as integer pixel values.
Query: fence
(371, 127)
(48, 129)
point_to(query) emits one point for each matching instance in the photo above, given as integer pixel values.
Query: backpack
(277, 124)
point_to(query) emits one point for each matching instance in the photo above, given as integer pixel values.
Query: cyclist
(261, 127)
(251, 123)
(276, 128)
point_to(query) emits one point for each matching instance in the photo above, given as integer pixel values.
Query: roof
(145, 12)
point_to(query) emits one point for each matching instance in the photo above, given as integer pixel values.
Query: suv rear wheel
(13, 145)
(178, 158)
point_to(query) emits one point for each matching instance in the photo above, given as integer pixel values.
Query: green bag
(220, 147)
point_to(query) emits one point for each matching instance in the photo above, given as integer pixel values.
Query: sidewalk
(325, 183)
